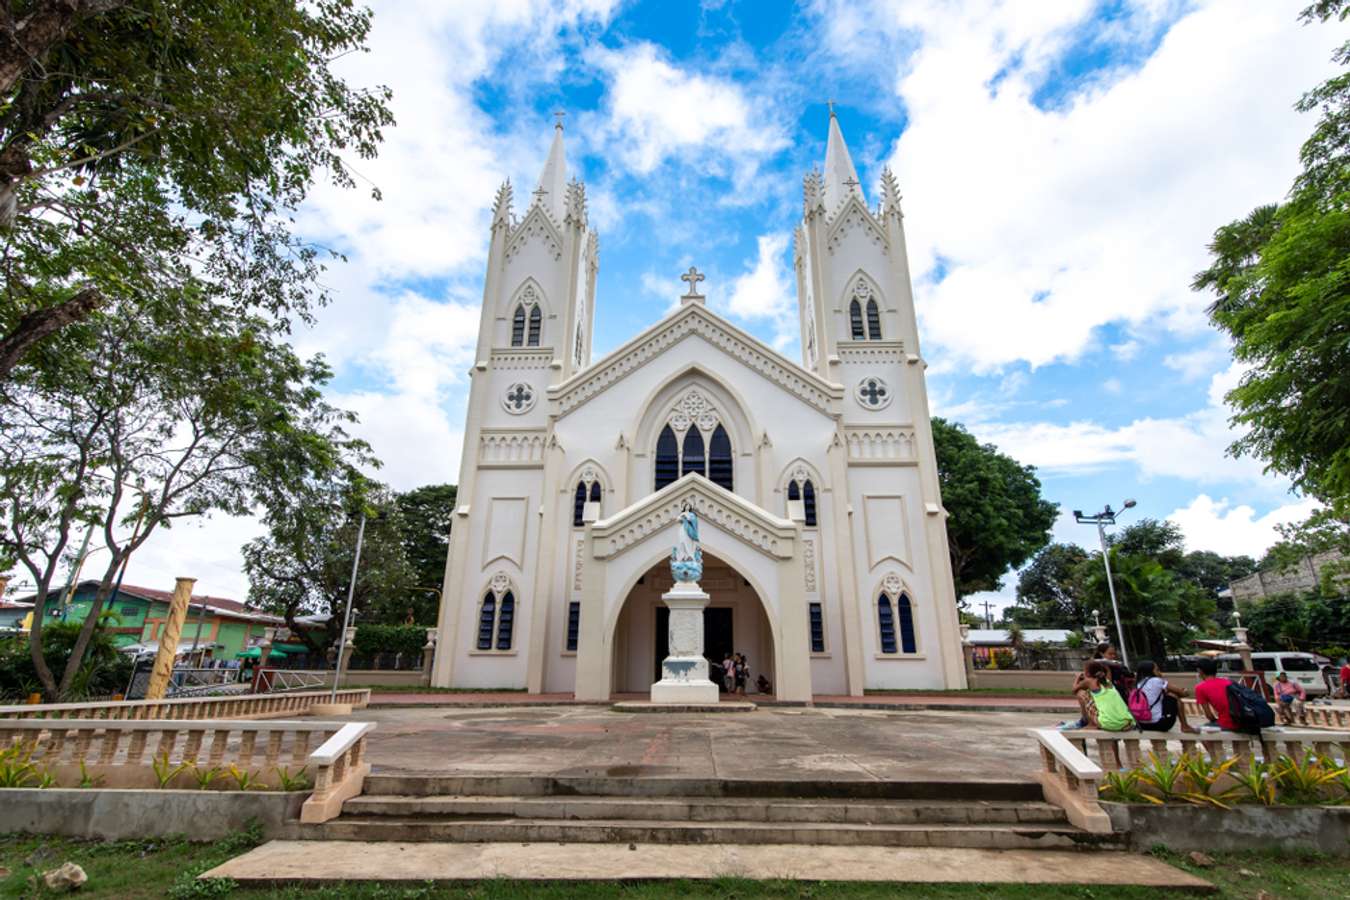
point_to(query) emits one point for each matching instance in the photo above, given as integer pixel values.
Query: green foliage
(304, 562)
(405, 639)
(427, 513)
(1323, 534)
(292, 782)
(997, 518)
(16, 767)
(87, 780)
(104, 670)
(1257, 780)
(165, 771)
(1050, 590)
(245, 780)
(1305, 622)
(1204, 778)
(1123, 787)
(206, 777)
(1307, 779)
(1281, 278)
(1166, 776)
(143, 136)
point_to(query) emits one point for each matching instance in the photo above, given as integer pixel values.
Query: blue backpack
(1249, 710)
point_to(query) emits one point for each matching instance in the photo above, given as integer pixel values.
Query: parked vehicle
(1302, 668)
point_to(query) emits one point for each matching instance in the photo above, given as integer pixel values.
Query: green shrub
(405, 639)
(105, 670)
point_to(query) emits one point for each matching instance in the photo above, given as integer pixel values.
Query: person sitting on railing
(1155, 704)
(1099, 702)
(1212, 695)
(1290, 696)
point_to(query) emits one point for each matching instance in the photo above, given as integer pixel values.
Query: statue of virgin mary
(686, 557)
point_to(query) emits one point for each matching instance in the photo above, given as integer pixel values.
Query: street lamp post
(1108, 517)
(347, 617)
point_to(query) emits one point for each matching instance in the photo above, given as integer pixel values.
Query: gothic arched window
(579, 507)
(886, 624)
(496, 615)
(693, 460)
(809, 503)
(896, 629)
(800, 488)
(873, 321)
(906, 616)
(505, 619)
(667, 458)
(487, 620)
(536, 325)
(719, 458)
(518, 327)
(855, 319)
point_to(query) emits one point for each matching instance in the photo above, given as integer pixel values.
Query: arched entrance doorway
(734, 621)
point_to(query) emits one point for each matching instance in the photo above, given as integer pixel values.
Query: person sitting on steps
(1099, 701)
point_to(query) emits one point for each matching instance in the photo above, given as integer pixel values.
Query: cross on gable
(693, 276)
(559, 115)
(539, 193)
(852, 182)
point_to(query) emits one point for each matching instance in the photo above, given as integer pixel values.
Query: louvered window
(487, 620)
(505, 619)
(906, 616)
(719, 458)
(809, 503)
(536, 325)
(817, 620)
(518, 327)
(573, 625)
(886, 624)
(855, 319)
(579, 505)
(667, 458)
(873, 321)
(693, 453)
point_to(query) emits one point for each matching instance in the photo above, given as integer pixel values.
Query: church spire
(552, 190)
(839, 178)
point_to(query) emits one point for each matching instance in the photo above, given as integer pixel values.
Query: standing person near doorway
(729, 673)
(742, 673)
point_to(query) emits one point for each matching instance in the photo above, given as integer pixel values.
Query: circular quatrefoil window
(874, 393)
(519, 399)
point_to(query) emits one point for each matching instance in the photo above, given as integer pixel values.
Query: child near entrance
(728, 673)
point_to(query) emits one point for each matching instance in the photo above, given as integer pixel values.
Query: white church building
(815, 483)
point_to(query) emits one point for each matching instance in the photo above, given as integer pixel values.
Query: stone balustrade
(340, 772)
(1071, 778)
(180, 753)
(241, 706)
(1335, 716)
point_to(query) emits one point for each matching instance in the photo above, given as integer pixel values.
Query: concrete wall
(1015, 679)
(1325, 829)
(116, 815)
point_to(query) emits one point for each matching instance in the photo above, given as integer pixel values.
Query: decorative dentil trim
(508, 448)
(871, 352)
(533, 358)
(694, 320)
(883, 444)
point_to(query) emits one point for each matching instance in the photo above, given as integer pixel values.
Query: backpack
(1249, 710)
(1139, 706)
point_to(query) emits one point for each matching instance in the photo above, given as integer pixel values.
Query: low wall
(1183, 827)
(372, 677)
(114, 815)
(1016, 678)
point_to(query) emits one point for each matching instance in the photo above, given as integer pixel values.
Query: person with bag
(1212, 695)
(1099, 701)
(1155, 704)
(1289, 697)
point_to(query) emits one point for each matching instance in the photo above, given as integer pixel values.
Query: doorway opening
(718, 632)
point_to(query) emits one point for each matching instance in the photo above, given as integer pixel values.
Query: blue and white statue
(686, 557)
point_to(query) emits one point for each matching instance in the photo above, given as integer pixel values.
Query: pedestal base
(684, 673)
(684, 692)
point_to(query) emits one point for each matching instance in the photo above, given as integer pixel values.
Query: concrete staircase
(647, 810)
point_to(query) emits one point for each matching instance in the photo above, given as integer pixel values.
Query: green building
(140, 613)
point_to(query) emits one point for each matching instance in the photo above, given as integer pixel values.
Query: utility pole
(347, 617)
(988, 620)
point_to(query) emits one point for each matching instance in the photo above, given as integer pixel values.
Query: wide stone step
(709, 809)
(601, 831)
(615, 784)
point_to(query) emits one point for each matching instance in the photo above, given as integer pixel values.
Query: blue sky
(1062, 164)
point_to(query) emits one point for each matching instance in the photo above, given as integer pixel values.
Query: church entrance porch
(734, 622)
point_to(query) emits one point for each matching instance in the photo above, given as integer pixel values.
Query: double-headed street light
(1108, 517)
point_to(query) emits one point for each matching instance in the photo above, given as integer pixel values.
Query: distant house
(14, 616)
(139, 615)
(984, 641)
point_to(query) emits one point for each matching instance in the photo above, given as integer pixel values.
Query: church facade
(815, 483)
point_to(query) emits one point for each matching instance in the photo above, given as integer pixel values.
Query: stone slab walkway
(332, 861)
(786, 743)
(917, 701)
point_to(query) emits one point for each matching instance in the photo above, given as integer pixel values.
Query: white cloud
(1097, 210)
(1126, 351)
(204, 549)
(657, 110)
(1196, 364)
(767, 290)
(1112, 386)
(1224, 528)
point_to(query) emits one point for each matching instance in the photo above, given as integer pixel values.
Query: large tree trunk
(44, 674)
(28, 40)
(42, 323)
(90, 623)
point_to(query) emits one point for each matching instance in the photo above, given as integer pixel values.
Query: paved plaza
(770, 743)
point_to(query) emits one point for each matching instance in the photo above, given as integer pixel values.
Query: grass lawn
(166, 868)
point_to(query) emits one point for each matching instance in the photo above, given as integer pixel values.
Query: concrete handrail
(239, 706)
(1126, 749)
(340, 772)
(1318, 715)
(1071, 780)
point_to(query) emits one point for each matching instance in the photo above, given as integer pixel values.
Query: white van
(1302, 668)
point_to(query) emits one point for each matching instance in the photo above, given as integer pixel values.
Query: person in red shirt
(1345, 678)
(1212, 694)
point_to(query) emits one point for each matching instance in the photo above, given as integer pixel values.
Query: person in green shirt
(1100, 702)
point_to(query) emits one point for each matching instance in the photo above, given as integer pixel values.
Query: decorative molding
(689, 321)
(886, 444)
(519, 398)
(809, 562)
(533, 358)
(854, 216)
(576, 568)
(874, 393)
(511, 447)
(874, 353)
(536, 225)
(729, 512)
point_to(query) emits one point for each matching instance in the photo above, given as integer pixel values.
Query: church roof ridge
(792, 376)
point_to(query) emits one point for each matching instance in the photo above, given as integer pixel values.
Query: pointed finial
(830, 104)
(559, 115)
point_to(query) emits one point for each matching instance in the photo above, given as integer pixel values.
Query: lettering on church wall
(887, 529)
(504, 536)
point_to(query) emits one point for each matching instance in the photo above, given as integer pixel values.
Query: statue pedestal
(684, 673)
